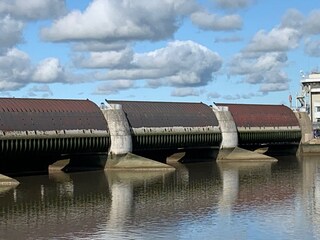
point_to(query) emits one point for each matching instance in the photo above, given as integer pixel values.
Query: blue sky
(237, 51)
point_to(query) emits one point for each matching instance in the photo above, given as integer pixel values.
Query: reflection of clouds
(237, 192)
(310, 200)
(122, 184)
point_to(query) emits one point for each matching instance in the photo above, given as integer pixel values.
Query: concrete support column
(305, 125)
(228, 127)
(120, 135)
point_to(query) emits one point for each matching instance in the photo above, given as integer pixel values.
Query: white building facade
(309, 97)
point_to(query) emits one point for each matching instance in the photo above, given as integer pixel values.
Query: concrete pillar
(305, 125)
(120, 135)
(7, 183)
(228, 127)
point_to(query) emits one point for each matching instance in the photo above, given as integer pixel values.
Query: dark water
(198, 201)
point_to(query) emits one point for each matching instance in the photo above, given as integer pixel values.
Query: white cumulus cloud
(10, 32)
(278, 39)
(33, 10)
(115, 20)
(208, 21)
(180, 63)
(48, 70)
(105, 59)
(112, 87)
(185, 92)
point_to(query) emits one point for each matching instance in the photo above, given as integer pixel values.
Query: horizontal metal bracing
(53, 134)
(174, 138)
(175, 130)
(275, 136)
(61, 145)
(269, 129)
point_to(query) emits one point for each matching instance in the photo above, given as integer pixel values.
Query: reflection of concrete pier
(121, 185)
(116, 202)
(231, 174)
(310, 201)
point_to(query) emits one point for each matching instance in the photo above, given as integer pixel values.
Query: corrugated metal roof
(167, 114)
(22, 114)
(255, 115)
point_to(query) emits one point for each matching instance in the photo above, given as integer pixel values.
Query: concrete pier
(121, 141)
(243, 155)
(227, 126)
(7, 183)
(131, 161)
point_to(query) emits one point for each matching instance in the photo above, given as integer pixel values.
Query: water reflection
(121, 185)
(310, 196)
(199, 200)
(231, 173)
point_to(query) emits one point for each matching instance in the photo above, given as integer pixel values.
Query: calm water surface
(198, 201)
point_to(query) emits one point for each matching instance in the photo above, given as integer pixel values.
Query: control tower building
(309, 97)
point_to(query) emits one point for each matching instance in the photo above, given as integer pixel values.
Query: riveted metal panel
(23, 114)
(167, 114)
(254, 115)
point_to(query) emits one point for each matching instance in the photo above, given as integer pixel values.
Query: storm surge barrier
(35, 133)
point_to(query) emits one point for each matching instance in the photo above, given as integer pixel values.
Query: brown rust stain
(255, 115)
(25, 114)
(167, 114)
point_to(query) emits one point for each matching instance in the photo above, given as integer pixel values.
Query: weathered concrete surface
(227, 126)
(6, 182)
(305, 125)
(310, 147)
(121, 141)
(134, 177)
(308, 144)
(239, 154)
(58, 165)
(135, 162)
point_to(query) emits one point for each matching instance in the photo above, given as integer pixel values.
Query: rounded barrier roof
(167, 114)
(255, 115)
(25, 114)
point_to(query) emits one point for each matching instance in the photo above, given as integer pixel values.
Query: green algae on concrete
(7, 183)
(239, 154)
(134, 162)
